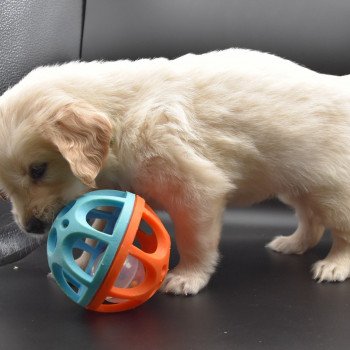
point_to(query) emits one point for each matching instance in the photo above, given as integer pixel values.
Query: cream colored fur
(188, 135)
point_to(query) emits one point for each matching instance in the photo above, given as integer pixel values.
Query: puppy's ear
(82, 135)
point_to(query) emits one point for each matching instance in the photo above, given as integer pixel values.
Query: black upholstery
(257, 299)
(37, 32)
(312, 32)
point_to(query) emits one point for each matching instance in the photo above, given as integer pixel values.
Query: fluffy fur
(188, 135)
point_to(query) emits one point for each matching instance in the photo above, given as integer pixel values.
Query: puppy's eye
(3, 195)
(37, 171)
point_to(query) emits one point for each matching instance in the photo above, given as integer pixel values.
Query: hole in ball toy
(71, 282)
(77, 253)
(98, 224)
(52, 240)
(145, 227)
(131, 275)
(74, 287)
(65, 223)
(145, 242)
(106, 302)
(103, 219)
(137, 243)
(93, 250)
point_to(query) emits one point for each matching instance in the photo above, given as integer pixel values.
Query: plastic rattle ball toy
(123, 242)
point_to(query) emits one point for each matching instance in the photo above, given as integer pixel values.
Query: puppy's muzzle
(36, 226)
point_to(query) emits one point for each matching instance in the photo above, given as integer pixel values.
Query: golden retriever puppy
(188, 135)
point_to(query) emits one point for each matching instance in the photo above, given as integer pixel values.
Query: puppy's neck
(114, 175)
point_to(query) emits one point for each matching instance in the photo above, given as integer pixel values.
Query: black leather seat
(257, 299)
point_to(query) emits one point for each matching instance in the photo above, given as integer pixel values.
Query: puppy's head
(51, 151)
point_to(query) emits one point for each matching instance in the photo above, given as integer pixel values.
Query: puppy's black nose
(35, 225)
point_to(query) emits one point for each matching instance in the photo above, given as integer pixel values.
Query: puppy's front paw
(184, 282)
(325, 270)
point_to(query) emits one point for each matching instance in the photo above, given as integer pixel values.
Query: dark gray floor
(256, 300)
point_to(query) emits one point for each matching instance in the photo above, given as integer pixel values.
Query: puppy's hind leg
(336, 266)
(334, 206)
(306, 236)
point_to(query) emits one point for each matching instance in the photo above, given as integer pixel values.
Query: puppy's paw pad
(325, 270)
(184, 282)
(286, 245)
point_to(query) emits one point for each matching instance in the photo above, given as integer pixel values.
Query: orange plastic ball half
(153, 252)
